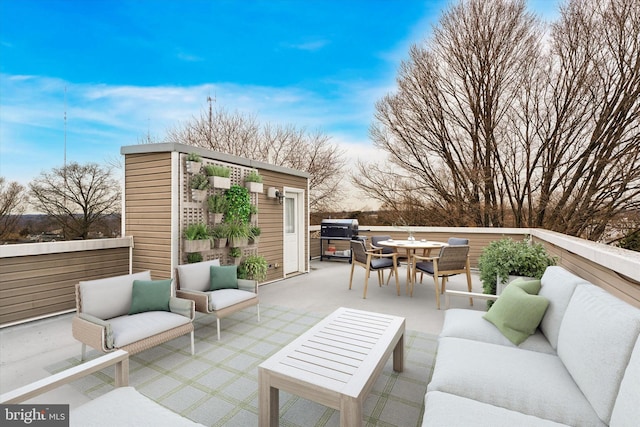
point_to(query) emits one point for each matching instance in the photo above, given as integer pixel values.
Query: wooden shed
(158, 205)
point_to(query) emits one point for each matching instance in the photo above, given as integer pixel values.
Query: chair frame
(370, 255)
(437, 273)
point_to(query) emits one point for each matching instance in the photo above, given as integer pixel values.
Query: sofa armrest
(448, 293)
(201, 299)
(94, 332)
(248, 285)
(182, 306)
(120, 358)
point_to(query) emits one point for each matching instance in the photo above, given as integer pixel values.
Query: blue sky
(132, 68)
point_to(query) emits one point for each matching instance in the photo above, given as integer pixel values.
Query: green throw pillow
(224, 277)
(517, 313)
(150, 295)
(532, 287)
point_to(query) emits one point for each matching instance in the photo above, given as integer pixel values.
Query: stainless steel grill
(339, 228)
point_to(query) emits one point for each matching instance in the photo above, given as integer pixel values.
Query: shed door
(293, 242)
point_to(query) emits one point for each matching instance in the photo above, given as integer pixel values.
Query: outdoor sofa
(581, 366)
(130, 312)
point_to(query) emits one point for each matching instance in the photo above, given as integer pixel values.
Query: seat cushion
(378, 263)
(425, 266)
(124, 406)
(523, 381)
(446, 410)
(110, 297)
(224, 298)
(135, 327)
(626, 411)
(469, 324)
(597, 337)
(196, 276)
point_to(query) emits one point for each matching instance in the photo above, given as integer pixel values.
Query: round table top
(411, 244)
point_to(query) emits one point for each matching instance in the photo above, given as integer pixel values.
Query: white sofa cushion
(596, 339)
(557, 286)
(135, 327)
(224, 298)
(124, 406)
(196, 276)
(448, 410)
(626, 411)
(524, 381)
(469, 324)
(110, 297)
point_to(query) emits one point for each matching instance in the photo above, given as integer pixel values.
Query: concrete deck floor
(26, 349)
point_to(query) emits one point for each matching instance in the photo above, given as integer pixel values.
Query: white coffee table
(335, 363)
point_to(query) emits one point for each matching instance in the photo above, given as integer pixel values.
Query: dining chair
(372, 260)
(452, 260)
(455, 241)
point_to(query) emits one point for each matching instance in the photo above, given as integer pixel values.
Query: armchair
(371, 260)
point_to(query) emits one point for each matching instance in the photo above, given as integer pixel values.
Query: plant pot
(220, 182)
(254, 240)
(236, 261)
(238, 242)
(220, 243)
(193, 167)
(216, 217)
(198, 195)
(191, 246)
(500, 286)
(254, 187)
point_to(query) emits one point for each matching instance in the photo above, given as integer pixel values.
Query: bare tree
(491, 127)
(76, 197)
(12, 205)
(283, 145)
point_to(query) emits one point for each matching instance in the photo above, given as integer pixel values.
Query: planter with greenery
(254, 235)
(238, 204)
(196, 238)
(238, 234)
(219, 235)
(506, 257)
(199, 184)
(253, 213)
(253, 267)
(235, 254)
(194, 162)
(194, 257)
(253, 181)
(217, 205)
(218, 176)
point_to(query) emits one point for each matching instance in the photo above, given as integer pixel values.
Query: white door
(291, 233)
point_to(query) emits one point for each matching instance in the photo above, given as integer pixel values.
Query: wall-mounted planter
(191, 246)
(220, 182)
(193, 167)
(216, 217)
(238, 242)
(198, 195)
(254, 187)
(220, 243)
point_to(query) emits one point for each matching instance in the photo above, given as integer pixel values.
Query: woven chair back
(359, 252)
(453, 257)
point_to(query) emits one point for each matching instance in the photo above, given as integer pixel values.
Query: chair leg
(218, 327)
(353, 264)
(444, 284)
(395, 272)
(83, 352)
(380, 277)
(366, 283)
(193, 343)
(436, 283)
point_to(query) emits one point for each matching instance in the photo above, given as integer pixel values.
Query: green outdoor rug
(219, 385)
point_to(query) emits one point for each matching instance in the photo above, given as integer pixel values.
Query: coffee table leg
(350, 412)
(398, 355)
(268, 401)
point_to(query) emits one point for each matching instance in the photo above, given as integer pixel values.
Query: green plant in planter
(217, 203)
(239, 204)
(507, 257)
(194, 157)
(196, 231)
(217, 170)
(253, 176)
(254, 234)
(194, 257)
(219, 235)
(235, 252)
(237, 233)
(199, 182)
(253, 267)
(253, 210)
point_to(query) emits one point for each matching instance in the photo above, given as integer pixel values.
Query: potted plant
(253, 181)
(506, 257)
(194, 162)
(235, 254)
(199, 184)
(196, 238)
(239, 204)
(237, 234)
(219, 235)
(253, 267)
(194, 257)
(253, 213)
(217, 205)
(254, 235)
(219, 176)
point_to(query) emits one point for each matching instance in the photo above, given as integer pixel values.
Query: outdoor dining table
(411, 246)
